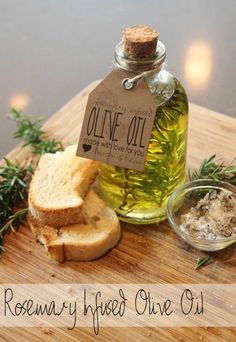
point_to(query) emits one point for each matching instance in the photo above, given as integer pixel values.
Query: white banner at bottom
(117, 305)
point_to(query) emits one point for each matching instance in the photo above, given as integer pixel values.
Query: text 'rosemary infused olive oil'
(136, 125)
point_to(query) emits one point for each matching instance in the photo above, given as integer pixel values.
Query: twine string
(129, 83)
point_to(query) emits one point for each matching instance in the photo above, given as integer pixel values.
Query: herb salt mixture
(213, 218)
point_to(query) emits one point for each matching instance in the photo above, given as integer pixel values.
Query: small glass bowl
(186, 197)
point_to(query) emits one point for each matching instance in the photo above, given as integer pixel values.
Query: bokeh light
(198, 64)
(19, 101)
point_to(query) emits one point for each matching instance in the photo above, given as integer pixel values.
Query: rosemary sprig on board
(213, 168)
(201, 262)
(15, 178)
(33, 135)
(12, 223)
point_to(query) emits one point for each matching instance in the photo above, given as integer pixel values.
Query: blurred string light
(198, 64)
(19, 101)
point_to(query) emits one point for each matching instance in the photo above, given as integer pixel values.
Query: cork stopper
(140, 41)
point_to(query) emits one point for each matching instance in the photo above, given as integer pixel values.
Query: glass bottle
(141, 197)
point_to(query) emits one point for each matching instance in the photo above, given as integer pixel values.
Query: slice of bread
(85, 241)
(59, 185)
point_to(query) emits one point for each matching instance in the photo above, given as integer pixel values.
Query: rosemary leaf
(201, 262)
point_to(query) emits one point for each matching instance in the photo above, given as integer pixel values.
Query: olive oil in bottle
(141, 197)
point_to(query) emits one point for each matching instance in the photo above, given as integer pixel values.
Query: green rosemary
(14, 180)
(213, 168)
(201, 262)
(33, 135)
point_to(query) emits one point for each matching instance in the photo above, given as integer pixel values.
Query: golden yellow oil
(141, 197)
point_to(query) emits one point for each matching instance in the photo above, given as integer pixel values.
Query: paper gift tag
(118, 123)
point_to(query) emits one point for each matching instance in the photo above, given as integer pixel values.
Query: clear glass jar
(141, 197)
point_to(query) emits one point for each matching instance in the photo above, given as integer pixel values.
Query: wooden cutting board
(151, 254)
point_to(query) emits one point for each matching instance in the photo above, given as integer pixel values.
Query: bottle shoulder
(163, 86)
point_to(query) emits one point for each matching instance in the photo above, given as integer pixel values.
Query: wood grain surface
(151, 254)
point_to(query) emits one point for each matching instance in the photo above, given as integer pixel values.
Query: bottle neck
(140, 65)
